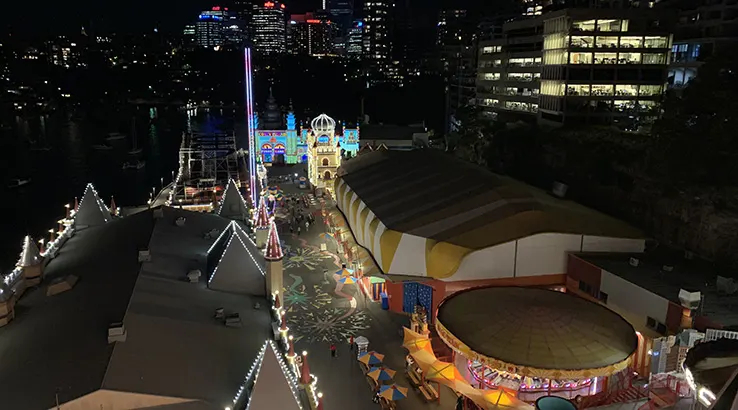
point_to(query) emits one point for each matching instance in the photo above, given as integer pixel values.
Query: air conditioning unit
(559, 189)
(634, 262)
(117, 332)
(690, 300)
(180, 221)
(144, 256)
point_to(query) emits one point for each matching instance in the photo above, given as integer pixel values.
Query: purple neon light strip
(250, 121)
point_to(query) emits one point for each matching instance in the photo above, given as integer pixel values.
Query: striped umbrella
(371, 358)
(345, 272)
(393, 392)
(325, 236)
(381, 373)
(347, 280)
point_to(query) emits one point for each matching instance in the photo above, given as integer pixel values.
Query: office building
(269, 28)
(209, 27)
(377, 41)
(342, 15)
(593, 66)
(354, 43)
(456, 39)
(311, 34)
(704, 28)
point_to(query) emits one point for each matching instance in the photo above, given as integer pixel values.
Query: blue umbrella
(393, 392)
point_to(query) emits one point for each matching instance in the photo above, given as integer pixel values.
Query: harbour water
(56, 153)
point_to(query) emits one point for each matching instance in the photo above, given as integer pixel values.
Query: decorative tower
(7, 304)
(262, 224)
(293, 153)
(273, 256)
(30, 262)
(113, 207)
(324, 156)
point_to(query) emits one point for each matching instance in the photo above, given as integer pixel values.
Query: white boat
(134, 150)
(134, 165)
(15, 183)
(102, 147)
(115, 136)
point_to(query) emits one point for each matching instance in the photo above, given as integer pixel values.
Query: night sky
(128, 15)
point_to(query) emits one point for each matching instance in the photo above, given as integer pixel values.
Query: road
(321, 313)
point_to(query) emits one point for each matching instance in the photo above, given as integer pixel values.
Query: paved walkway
(321, 313)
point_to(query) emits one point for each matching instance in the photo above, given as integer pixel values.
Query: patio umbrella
(502, 398)
(393, 392)
(371, 358)
(443, 372)
(424, 358)
(381, 373)
(325, 236)
(345, 272)
(347, 280)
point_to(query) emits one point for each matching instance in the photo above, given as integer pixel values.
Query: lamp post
(51, 231)
(68, 210)
(41, 245)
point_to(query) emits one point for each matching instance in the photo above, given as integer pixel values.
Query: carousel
(535, 342)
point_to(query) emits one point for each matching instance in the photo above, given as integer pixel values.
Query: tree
(471, 137)
(695, 140)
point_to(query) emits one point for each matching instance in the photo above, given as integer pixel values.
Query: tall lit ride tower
(249, 96)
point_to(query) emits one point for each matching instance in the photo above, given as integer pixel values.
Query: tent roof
(435, 195)
(536, 329)
(232, 205)
(237, 270)
(92, 210)
(30, 255)
(274, 387)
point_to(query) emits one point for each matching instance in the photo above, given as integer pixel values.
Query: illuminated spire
(232, 204)
(305, 370)
(113, 208)
(273, 249)
(262, 215)
(30, 255)
(76, 204)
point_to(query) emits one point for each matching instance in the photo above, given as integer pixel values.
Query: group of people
(300, 217)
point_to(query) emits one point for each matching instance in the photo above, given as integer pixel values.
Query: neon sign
(269, 4)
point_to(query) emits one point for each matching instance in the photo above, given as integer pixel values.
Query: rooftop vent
(194, 276)
(117, 332)
(180, 221)
(144, 256)
(634, 262)
(667, 268)
(559, 189)
(690, 300)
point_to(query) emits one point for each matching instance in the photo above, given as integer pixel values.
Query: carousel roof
(536, 332)
(232, 205)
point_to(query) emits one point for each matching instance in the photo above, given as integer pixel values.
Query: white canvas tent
(232, 205)
(31, 255)
(237, 270)
(275, 387)
(92, 210)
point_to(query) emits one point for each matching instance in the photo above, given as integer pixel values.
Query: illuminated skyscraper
(311, 33)
(376, 37)
(209, 27)
(269, 26)
(354, 43)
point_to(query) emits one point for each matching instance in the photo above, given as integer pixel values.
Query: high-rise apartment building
(311, 34)
(209, 27)
(269, 28)
(593, 66)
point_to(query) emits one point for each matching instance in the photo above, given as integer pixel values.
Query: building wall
(633, 301)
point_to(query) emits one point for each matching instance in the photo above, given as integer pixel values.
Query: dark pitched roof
(389, 132)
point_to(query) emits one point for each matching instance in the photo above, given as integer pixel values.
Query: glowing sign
(279, 149)
(216, 8)
(312, 21)
(361, 24)
(269, 4)
(281, 6)
(271, 133)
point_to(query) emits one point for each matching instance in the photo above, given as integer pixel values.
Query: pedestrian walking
(307, 226)
(333, 350)
(351, 343)
(298, 230)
